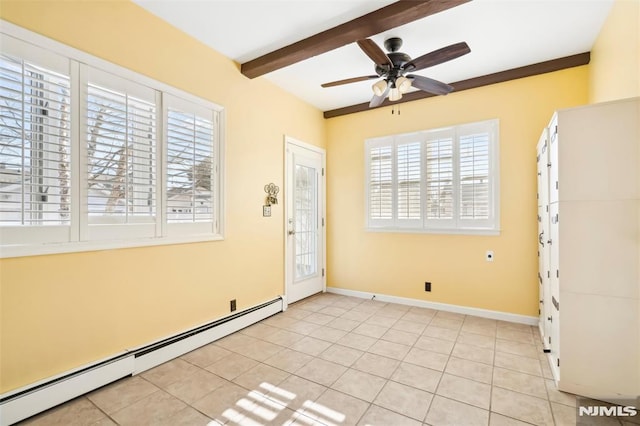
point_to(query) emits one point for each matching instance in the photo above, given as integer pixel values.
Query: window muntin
(442, 180)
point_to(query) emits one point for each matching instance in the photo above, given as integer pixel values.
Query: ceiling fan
(392, 68)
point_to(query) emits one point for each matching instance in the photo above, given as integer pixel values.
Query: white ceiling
(502, 34)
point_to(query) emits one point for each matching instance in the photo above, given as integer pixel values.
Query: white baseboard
(30, 400)
(465, 310)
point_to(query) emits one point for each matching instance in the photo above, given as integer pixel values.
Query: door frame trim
(288, 140)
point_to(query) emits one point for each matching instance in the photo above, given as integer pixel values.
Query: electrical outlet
(266, 211)
(233, 305)
(489, 256)
(427, 286)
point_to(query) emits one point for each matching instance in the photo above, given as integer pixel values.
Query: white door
(304, 227)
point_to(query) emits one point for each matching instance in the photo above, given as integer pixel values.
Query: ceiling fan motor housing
(398, 59)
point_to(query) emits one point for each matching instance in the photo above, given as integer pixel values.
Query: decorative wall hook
(272, 193)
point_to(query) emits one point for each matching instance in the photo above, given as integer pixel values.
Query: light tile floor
(337, 360)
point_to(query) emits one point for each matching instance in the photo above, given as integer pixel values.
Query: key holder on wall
(272, 198)
(272, 193)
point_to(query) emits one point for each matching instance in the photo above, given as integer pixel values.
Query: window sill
(77, 247)
(468, 231)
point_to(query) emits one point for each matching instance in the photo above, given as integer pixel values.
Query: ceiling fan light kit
(395, 95)
(392, 67)
(403, 84)
(380, 87)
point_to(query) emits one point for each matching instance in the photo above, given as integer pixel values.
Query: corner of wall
(614, 71)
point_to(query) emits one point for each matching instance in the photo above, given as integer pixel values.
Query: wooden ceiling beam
(386, 18)
(472, 83)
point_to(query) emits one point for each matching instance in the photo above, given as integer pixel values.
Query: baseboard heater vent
(37, 397)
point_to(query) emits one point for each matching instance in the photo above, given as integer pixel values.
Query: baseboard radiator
(35, 398)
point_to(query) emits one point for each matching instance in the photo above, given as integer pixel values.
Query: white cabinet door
(553, 160)
(543, 236)
(553, 309)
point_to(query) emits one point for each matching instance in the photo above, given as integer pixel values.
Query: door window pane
(306, 221)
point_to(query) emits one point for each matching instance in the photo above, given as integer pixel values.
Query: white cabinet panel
(600, 161)
(603, 237)
(596, 355)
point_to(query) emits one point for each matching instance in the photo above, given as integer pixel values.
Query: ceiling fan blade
(377, 100)
(349, 80)
(438, 56)
(373, 51)
(430, 85)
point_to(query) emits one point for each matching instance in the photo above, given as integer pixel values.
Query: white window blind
(442, 180)
(380, 183)
(439, 176)
(474, 176)
(191, 177)
(34, 144)
(408, 178)
(121, 156)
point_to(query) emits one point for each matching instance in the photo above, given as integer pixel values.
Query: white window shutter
(35, 145)
(121, 157)
(380, 182)
(408, 180)
(440, 180)
(191, 178)
(477, 175)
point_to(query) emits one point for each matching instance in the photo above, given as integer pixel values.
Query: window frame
(80, 235)
(456, 224)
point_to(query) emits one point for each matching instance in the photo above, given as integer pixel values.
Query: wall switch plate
(427, 286)
(266, 211)
(489, 256)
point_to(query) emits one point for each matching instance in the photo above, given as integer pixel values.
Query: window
(93, 156)
(442, 180)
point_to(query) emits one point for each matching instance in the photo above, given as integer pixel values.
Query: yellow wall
(399, 264)
(62, 311)
(59, 312)
(615, 57)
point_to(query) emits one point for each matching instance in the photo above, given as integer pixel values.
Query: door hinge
(548, 274)
(549, 339)
(323, 171)
(558, 362)
(323, 221)
(323, 272)
(556, 185)
(557, 273)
